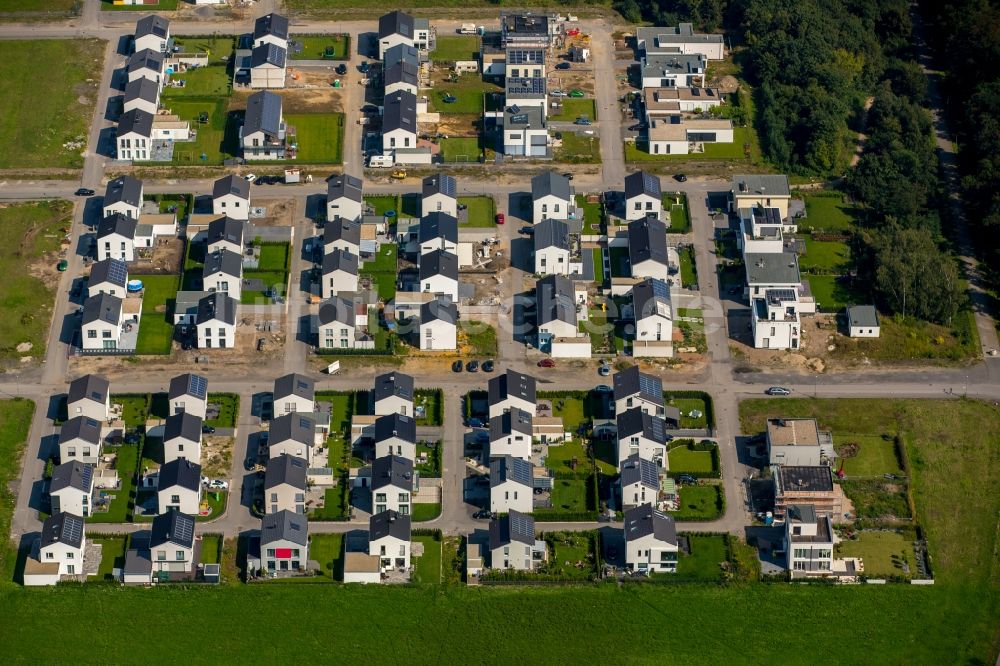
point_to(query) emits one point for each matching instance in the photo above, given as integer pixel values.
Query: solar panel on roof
(650, 183)
(649, 385)
(448, 186)
(198, 386)
(519, 119)
(521, 86)
(73, 529)
(647, 474)
(117, 271)
(660, 289)
(184, 530)
(304, 423)
(520, 524)
(656, 428)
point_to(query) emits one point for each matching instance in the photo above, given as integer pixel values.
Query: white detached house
(389, 540)
(63, 542)
(511, 485)
(551, 196)
(438, 326)
(650, 540)
(89, 396)
(231, 197)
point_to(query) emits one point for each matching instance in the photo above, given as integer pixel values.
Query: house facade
(284, 542)
(171, 543)
(439, 194)
(294, 393)
(552, 247)
(215, 321)
(643, 196)
(71, 489)
(513, 544)
(389, 540)
(396, 435)
(650, 540)
(654, 321)
(89, 396)
(393, 484)
(551, 196)
(511, 434)
(511, 485)
(188, 394)
(344, 199)
(642, 434)
(182, 437)
(285, 485)
(512, 390)
(439, 274)
(340, 273)
(292, 434)
(108, 277)
(438, 326)
(80, 440)
(102, 323)
(393, 394)
(116, 238)
(231, 197)
(809, 541)
(178, 487)
(63, 542)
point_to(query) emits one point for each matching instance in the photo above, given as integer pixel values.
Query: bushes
(706, 446)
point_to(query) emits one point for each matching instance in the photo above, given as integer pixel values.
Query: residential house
(768, 191)
(644, 434)
(439, 274)
(526, 93)
(771, 271)
(395, 28)
(519, 30)
(647, 249)
(80, 440)
(555, 308)
(682, 40)
(650, 540)
(401, 53)
(643, 196)
(171, 542)
(396, 435)
(511, 485)
(552, 247)
(798, 442)
(664, 104)
(525, 132)
(680, 136)
(116, 238)
(862, 321)
(808, 485)
(223, 272)
(226, 234)
(109, 276)
(89, 396)
(102, 323)
(513, 544)
(393, 394)
(438, 325)
(399, 121)
(271, 29)
(340, 273)
(762, 231)
(639, 479)
(776, 319)
(389, 540)
(231, 197)
(215, 321)
(809, 541)
(267, 66)
(71, 489)
(292, 434)
(188, 394)
(511, 390)
(673, 71)
(634, 389)
(123, 195)
(182, 437)
(524, 63)
(551, 196)
(178, 487)
(438, 231)
(294, 393)
(338, 325)
(285, 484)
(152, 32)
(344, 201)
(146, 64)
(511, 434)
(393, 484)
(134, 137)
(653, 316)
(263, 133)
(402, 76)
(63, 542)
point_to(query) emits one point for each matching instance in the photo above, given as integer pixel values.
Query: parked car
(456, 366)
(250, 177)
(526, 230)
(501, 218)
(546, 363)
(576, 92)
(603, 388)
(472, 366)
(582, 120)
(449, 99)
(342, 69)
(483, 514)
(488, 366)
(568, 175)
(219, 484)
(475, 423)
(207, 430)
(778, 390)
(603, 370)
(62, 265)
(557, 93)
(680, 178)
(364, 67)
(84, 192)
(563, 65)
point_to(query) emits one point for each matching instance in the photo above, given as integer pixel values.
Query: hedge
(709, 404)
(704, 445)
(551, 516)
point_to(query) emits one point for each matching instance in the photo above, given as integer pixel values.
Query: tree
(914, 278)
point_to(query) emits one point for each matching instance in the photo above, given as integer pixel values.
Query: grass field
(156, 328)
(707, 554)
(229, 405)
(698, 503)
(636, 151)
(877, 549)
(572, 108)
(112, 556)
(689, 270)
(570, 494)
(831, 294)
(908, 339)
(425, 512)
(217, 139)
(683, 459)
(427, 567)
(120, 507)
(468, 92)
(36, 8)
(449, 48)
(875, 456)
(314, 47)
(680, 220)
(481, 210)
(825, 256)
(211, 547)
(15, 420)
(598, 257)
(320, 137)
(382, 203)
(481, 337)
(28, 233)
(218, 47)
(579, 149)
(328, 550)
(201, 81)
(827, 212)
(45, 126)
(460, 149)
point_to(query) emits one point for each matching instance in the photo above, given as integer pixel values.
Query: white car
(218, 484)
(556, 93)
(250, 177)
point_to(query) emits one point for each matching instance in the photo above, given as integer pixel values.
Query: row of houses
(403, 43)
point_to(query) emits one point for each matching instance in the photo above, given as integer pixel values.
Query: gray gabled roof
(89, 387)
(190, 384)
(400, 112)
(438, 225)
(511, 383)
(631, 381)
(136, 121)
(439, 262)
(394, 471)
(172, 527)
(401, 53)
(439, 310)
(762, 185)
(146, 59)
(142, 88)
(395, 23)
(284, 526)
(294, 384)
(223, 261)
(226, 229)
(635, 421)
(80, 427)
(116, 223)
(338, 310)
(183, 425)
(510, 422)
(346, 187)
(862, 315)
(348, 231)
(263, 114)
(339, 260)
(63, 528)
(388, 523)
(651, 297)
(554, 300)
(509, 468)
(641, 182)
(395, 425)
(647, 241)
(772, 268)
(389, 384)
(231, 184)
(102, 307)
(403, 71)
(548, 183)
(268, 54)
(635, 469)
(73, 474)
(113, 271)
(292, 427)
(643, 520)
(439, 184)
(285, 469)
(515, 526)
(551, 233)
(216, 307)
(180, 473)
(271, 24)
(152, 25)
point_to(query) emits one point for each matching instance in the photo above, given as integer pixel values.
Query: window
(180, 555)
(274, 497)
(49, 556)
(404, 497)
(175, 499)
(91, 334)
(161, 555)
(300, 497)
(270, 552)
(380, 497)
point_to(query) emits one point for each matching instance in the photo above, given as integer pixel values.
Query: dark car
(475, 423)
(546, 363)
(734, 290)
(582, 120)
(84, 192)
(456, 366)
(472, 366)
(568, 175)
(680, 178)
(364, 67)
(778, 390)
(207, 430)
(449, 99)
(249, 464)
(488, 366)
(483, 514)
(563, 65)
(526, 230)
(341, 69)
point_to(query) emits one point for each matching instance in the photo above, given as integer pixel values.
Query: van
(467, 29)
(380, 161)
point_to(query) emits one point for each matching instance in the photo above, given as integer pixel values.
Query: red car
(500, 218)
(546, 363)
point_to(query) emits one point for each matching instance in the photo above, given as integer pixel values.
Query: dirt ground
(216, 455)
(167, 256)
(569, 79)
(455, 125)
(312, 93)
(819, 333)
(280, 212)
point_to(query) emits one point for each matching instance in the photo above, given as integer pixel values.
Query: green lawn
(870, 455)
(683, 459)
(481, 210)
(825, 256)
(275, 280)
(698, 503)
(218, 47)
(314, 47)
(320, 137)
(29, 233)
(883, 552)
(120, 508)
(112, 555)
(687, 405)
(572, 410)
(572, 108)
(828, 212)
(561, 455)
(178, 204)
(680, 220)
(431, 401)
(592, 214)
(45, 126)
(598, 257)
(570, 495)
(908, 339)
(15, 421)
(274, 257)
(579, 149)
(571, 555)
(460, 149)
(427, 567)
(211, 548)
(637, 151)
(689, 270)
(708, 552)
(450, 48)
(213, 80)
(156, 328)
(382, 203)
(328, 550)
(331, 509)
(425, 512)
(31, 9)
(480, 337)
(229, 406)
(216, 140)
(135, 408)
(468, 92)
(831, 294)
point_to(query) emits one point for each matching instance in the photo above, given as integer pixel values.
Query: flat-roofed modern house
(809, 541)
(798, 442)
(525, 131)
(808, 485)
(682, 40)
(526, 30)
(768, 191)
(862, 321)
(673, 71)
